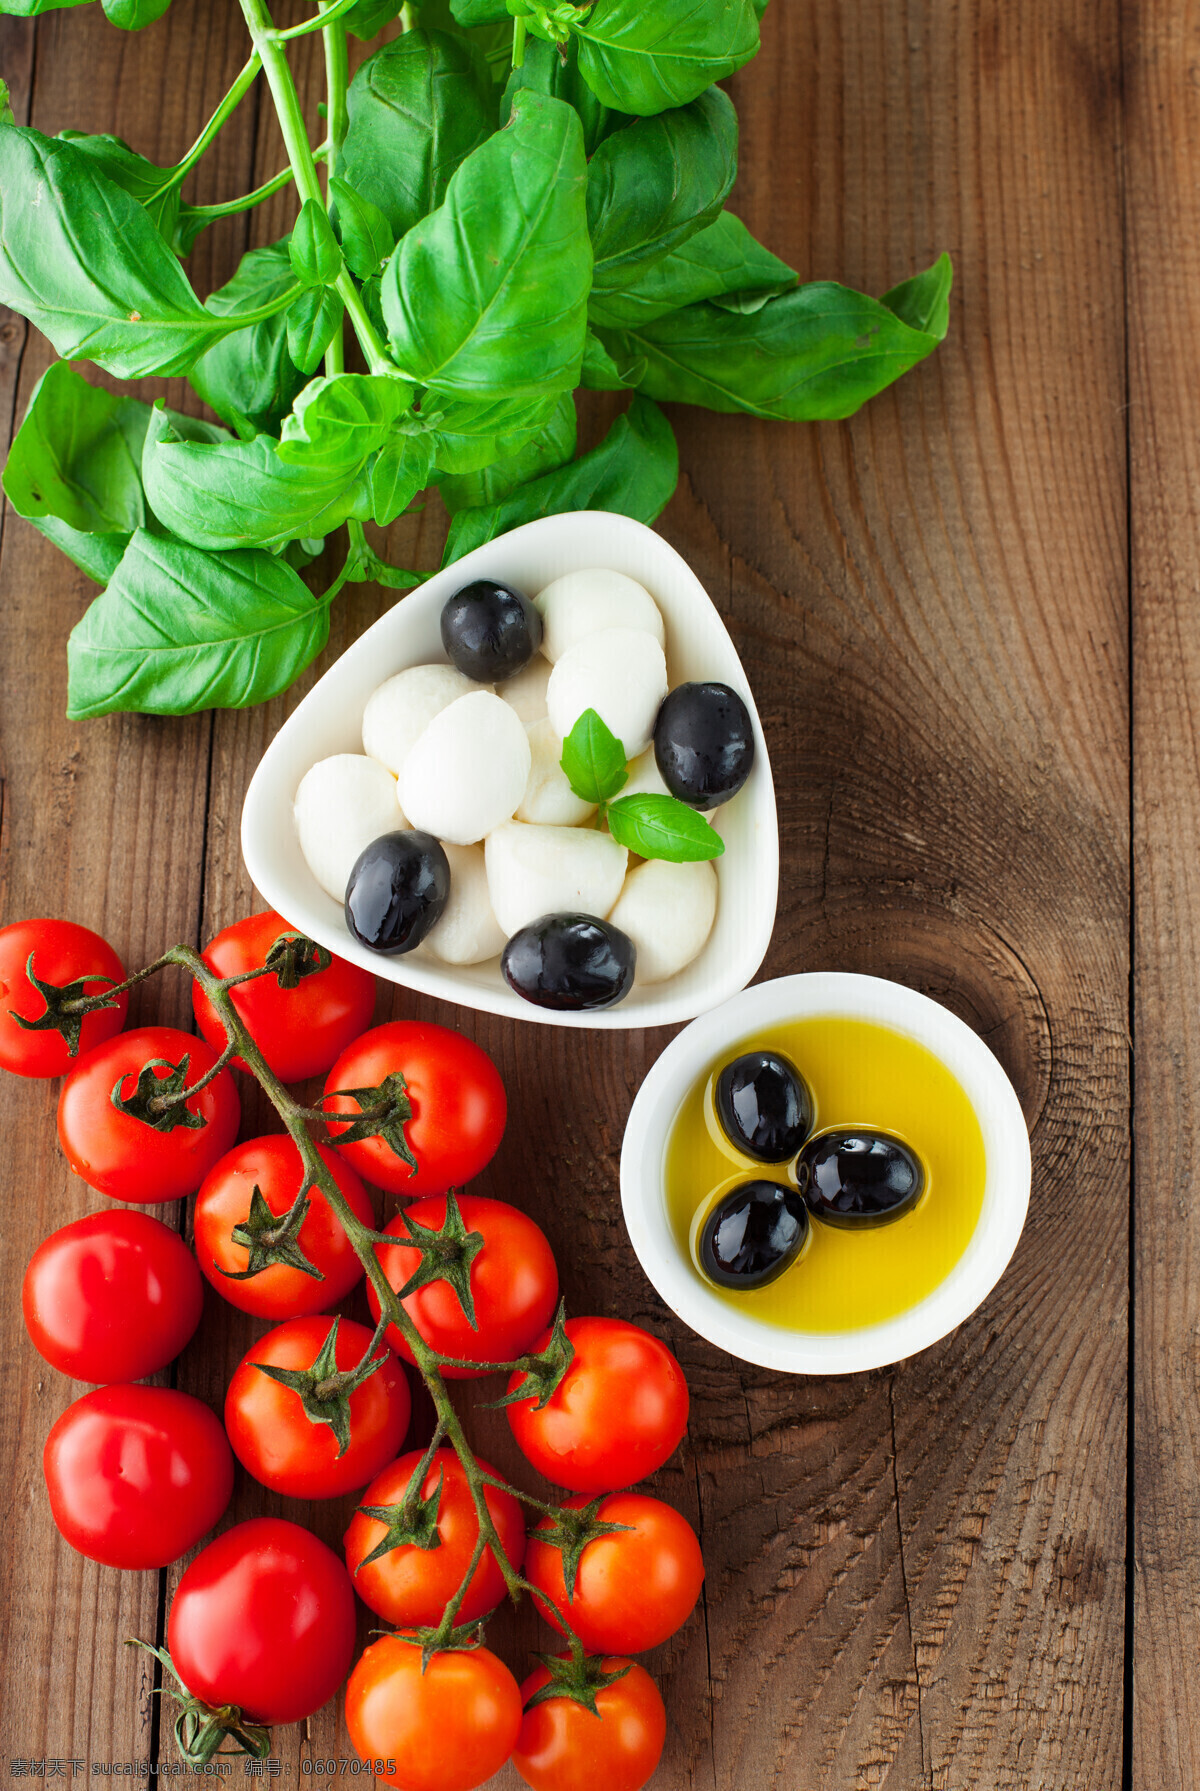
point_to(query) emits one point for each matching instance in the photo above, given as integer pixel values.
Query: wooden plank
(1163, 221)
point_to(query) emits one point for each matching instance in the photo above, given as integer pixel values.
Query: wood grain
(915, 1577)
(1163, 246)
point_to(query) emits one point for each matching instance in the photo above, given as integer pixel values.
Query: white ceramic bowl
(329, 720)
(691, 1055)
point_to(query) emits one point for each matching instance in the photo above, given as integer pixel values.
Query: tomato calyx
(200, 1728)
(160, 1101)
(570, 1532)
(578, 1678)
(385, 1111)
(67, 1006)
(271, 1239)
(446, 1255)
(324, 1389)
(455, 1638)
(413, 1523)
(542, 1373)
(293, 957)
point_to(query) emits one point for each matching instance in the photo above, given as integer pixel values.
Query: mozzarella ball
(398, 713)
(526, 693)
(582, 603)
(468, 770)
(668, 912)
(645, 778)
(548, 796)
(533, 871)
(342, 805)
(468, 932)
(621, 673)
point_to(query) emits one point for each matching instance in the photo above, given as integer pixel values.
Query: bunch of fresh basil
(523, 197)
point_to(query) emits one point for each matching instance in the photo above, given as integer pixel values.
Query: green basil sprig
(655, 826)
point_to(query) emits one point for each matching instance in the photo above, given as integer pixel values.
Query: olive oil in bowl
(860, 1075)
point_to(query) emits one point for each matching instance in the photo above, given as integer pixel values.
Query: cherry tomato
(514, 1284)
(112, 1297)
(447, 1729)
(562, 1747)
(264, 1619)
(131, 1158)
(274, 1438)
(299, 1030)
(62, 954)
(620, 1410)
(413, 1583)
(634, 1587)
(457, 1101)
(274, 1166)
(137, 1475)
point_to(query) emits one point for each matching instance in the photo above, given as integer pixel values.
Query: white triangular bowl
(329, 720)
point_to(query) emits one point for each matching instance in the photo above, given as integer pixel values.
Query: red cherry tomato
(562, 1747)
(457, 1101)
(273, 1436)
(131, 1158)
(299, 1030)
(274, 1166)
(634, 1587)
(137, 1475)
(264, 1619)
(112, 1297)
(620, 1410)
(447, 1729)
(513, 1280)
(413, 1584)
(62, 954)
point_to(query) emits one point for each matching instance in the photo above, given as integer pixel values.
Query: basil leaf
(241, 494)
(653, 186)
(479, 12)
(313, 249)
(643, 58)
(83, 262)
(369, 569)
(487, 295)
(74, 469)
(467, 436)
(134, 15)
(593, 759)
(660, 827)
(549, 448)
(816, 353)
(339, 421)
(369, 17)
(312, 323)
(633, 471)
(77, 456)
(141, 179)
(366, 235)
(179, 630)
(250, 379)
(6, 111)
(545, 69)
(401, 469)
(923, 302)
(30, 9)
(417, 108)
(600, 372)
(722, 263)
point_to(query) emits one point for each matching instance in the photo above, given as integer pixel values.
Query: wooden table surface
(970, 619)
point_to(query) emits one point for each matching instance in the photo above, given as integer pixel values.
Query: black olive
(397, 891)
(753, 1234)
(704, 744)
(490, 631)
(857, 1179)
(570, 961)
(764, 1106)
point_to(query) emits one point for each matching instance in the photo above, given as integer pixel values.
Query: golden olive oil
(861, 1075)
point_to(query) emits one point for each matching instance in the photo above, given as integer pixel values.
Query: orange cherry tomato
(562, 1746)
(447, 1729)
(411, 1585)
(634, 1587)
